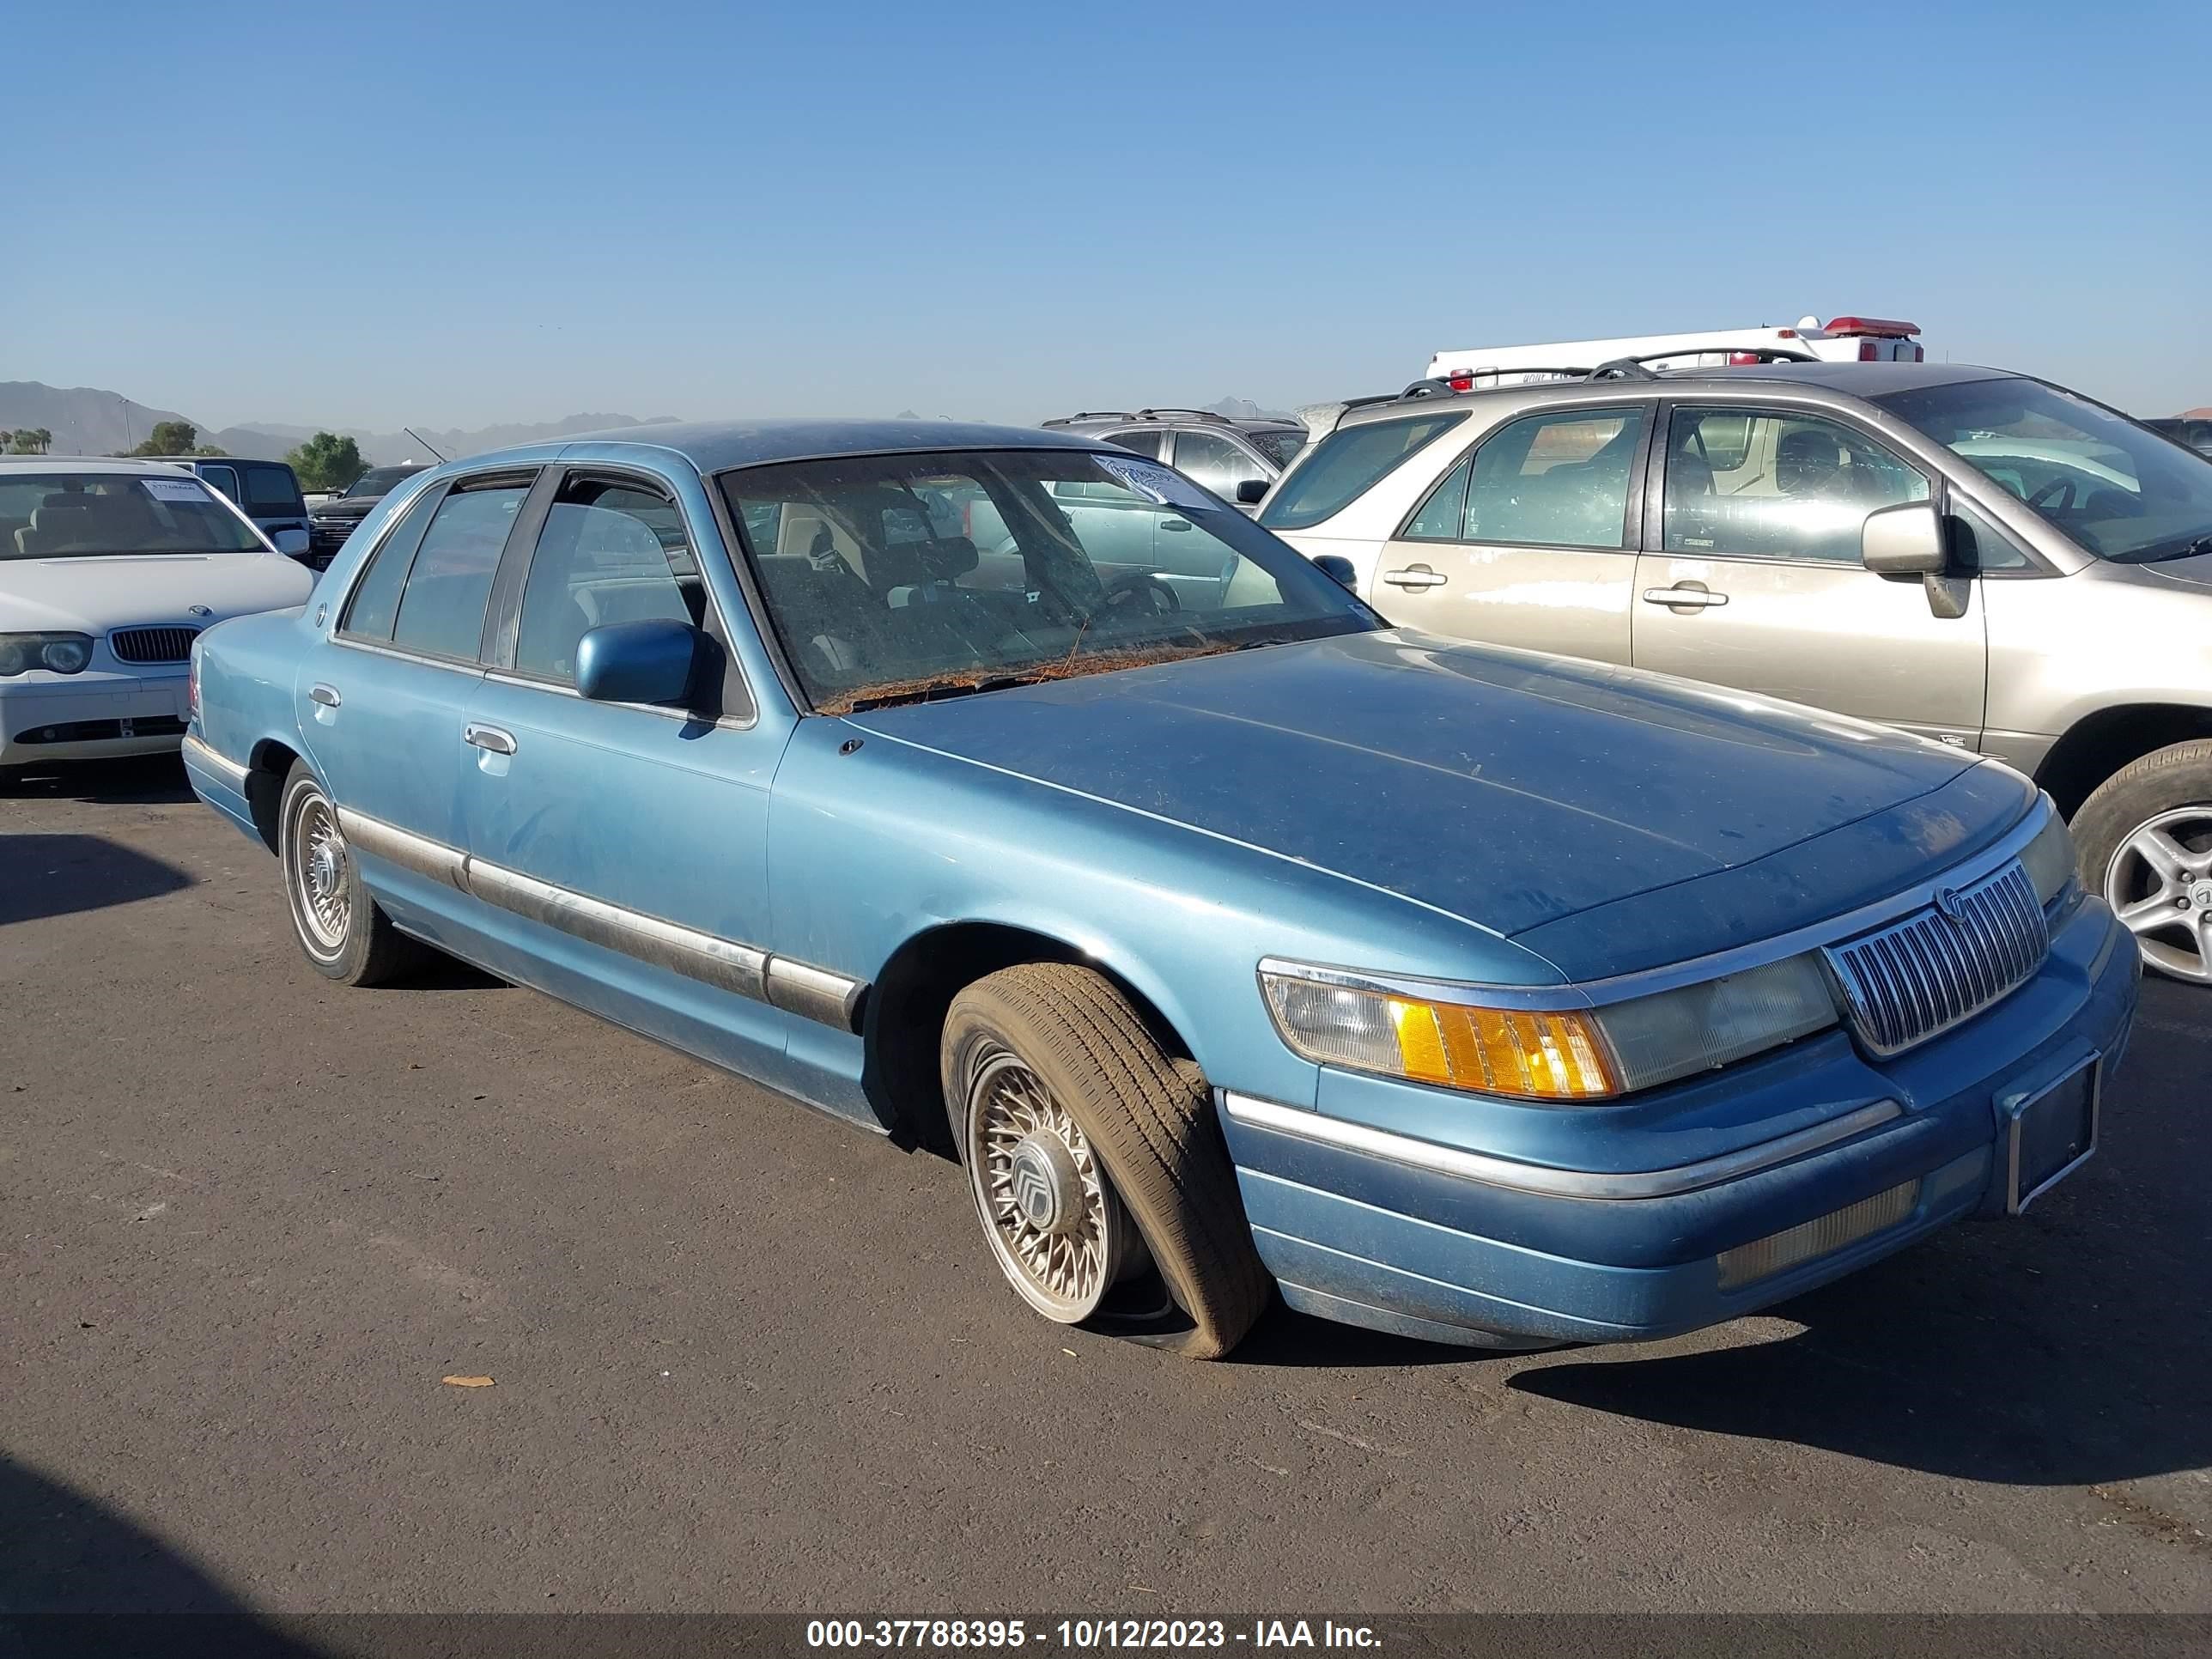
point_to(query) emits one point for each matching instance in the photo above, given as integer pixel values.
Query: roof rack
(1164, 412)
(1093, 414)
(1623, 368)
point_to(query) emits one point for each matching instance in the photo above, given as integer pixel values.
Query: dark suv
(332, 521)
(1237, 460)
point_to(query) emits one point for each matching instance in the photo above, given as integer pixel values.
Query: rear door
(383, 700)
(1755, 579)
(1529, 539)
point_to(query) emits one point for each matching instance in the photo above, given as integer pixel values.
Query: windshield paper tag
(174, 489)
(1153, 482)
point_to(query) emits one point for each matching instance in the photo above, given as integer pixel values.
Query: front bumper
(91, 716)
(1376, 1229)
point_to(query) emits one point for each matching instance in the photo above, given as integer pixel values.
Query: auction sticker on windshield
(174, 489)
(1154, 483)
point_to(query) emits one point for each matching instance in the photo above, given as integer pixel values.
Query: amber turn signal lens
(1494, 1051)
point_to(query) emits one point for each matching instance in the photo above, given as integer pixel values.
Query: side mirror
(1906, 540)
(1251, 491)
(291, 542)
(638, 662)
(1340, 569)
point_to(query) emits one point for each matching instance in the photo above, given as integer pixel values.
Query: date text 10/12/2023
(1083, 1635)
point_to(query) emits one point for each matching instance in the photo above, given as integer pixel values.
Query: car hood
(1504, 787)
(345, 507)
(2194, 571)
(91, 595)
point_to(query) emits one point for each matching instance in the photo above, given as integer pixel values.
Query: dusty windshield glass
(899, 578)
(1280, 447)
(91, 514)
(2122, 492)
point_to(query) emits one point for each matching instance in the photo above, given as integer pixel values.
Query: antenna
(422, 440)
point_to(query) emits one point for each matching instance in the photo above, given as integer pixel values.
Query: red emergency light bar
(1880, 328)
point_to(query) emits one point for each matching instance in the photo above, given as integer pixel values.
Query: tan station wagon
(1979, 558)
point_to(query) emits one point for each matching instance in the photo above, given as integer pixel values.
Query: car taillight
(1742, 359)
(1461, 379)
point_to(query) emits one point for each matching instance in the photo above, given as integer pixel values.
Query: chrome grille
(152, 644)
(1943, 964)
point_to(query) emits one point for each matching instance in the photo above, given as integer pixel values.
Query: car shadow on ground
(2069, 1346)
(44, 876)
(155, 779)
(77, 1577)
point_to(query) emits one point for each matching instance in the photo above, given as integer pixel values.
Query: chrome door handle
(1175, 524)
(1698, 597)
(1418, 576)
(326, 694)
(489, 738)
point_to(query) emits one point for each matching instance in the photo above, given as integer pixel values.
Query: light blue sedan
(1234, 941)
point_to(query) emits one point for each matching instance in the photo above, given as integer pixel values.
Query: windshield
(2124, 494)
(380, 480)
(1344, 463)
(898, 578)
(88, 514)
(1280, 447)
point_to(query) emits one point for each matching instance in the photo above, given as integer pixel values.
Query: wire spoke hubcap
(1059, 1231)
(321, 869)
(2160, 885)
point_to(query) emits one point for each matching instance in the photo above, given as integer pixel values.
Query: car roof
(1854, 380)
(716, 446)
(127, 465)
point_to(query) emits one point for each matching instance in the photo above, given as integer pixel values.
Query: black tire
(1148, 1118)
(2173, 779)
(364, 948)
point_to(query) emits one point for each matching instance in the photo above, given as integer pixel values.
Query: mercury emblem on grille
(1952, 906)
(198, 610)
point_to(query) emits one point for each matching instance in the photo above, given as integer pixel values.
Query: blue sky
(461, 213)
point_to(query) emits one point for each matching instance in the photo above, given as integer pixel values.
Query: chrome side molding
(797, 987)
(1333, 1131)
(219, 763)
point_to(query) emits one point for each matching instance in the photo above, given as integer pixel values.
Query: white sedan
(108, 571)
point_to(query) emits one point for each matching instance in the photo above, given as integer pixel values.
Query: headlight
(60, 654)
(2050, 862)
(1438, 1033)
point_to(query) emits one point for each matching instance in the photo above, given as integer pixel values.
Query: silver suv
(1236, 460)
(1982, 558)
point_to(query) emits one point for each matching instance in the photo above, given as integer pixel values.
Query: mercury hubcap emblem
(324, 870)
(1046, 1184)
(2200, 896)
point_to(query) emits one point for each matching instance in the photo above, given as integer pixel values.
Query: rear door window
(272, 489)
(442, 608)
(1348, 463)
(1144, 441)
(1555, 480)
(223, 479)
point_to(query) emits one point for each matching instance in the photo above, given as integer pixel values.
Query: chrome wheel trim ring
(2160, 888)
(1059, 1231)
(318, 870)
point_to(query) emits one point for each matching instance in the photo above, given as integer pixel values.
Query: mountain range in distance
(89, 421)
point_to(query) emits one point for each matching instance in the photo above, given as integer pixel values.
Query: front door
(1756, 581)
(620, 849)
(1528, 540)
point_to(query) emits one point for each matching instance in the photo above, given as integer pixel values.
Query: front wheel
(338, 924)
(2145, 839)
(1095, 1163)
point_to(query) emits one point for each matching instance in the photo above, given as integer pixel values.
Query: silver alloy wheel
(319, 872)
(1055, 1224)
(2159, 883)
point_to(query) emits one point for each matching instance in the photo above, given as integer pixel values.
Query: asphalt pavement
(745, 1358)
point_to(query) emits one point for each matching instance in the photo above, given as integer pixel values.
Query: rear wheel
(338, 924)
(1095, 1163)
(2145, 839)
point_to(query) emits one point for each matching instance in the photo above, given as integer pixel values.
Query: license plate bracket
(2052, 1133)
